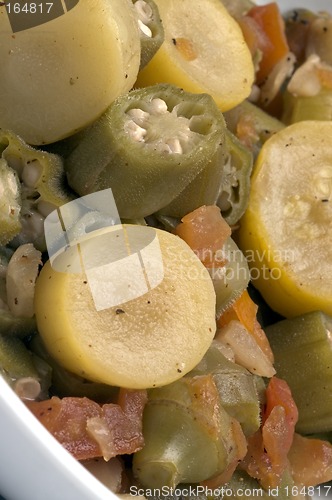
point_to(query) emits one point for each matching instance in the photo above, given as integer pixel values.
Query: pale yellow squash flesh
(146, 342)
(60, 76)
(203, 52)
(286, 232)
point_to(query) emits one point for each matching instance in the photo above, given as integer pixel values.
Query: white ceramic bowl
(33, 465)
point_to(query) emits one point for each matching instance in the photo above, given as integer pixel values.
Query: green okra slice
(147, 147)
(237, 387)
(300, 108)
(224, 182)
(235, 183)
(151, 29)
(187, 438)
(303, 357)
(203, 190)
(35, 183)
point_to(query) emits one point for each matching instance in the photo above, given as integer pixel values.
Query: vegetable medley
(210, 124)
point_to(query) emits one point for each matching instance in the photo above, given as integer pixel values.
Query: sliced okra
(235, 183)
(151, 29)
(148, 146)
(15, 359)
(302, 350)
(237, 387)
(188, 435)
(225, 182)
(35, 186)
(203, 190)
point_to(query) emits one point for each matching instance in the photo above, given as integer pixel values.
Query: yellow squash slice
(286, 233)
(148, 341)
(60, 70)
(203, 52)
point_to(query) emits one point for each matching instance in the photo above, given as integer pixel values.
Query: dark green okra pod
(34, 186)
(188, 435)
(303, 357)
(147, 147)
(151, 29)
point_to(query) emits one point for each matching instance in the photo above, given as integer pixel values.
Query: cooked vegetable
(34, 186)
(188, 436)
(246, 350)
(148, 147)
(224, 183)
(303, 357)
(268, 448)
(237, 388)
(251, 125)
(300, 108)
(88, 430)
(286, 230)
(200, 46)
(143, 341)
(10, 205)
(319, 39)
(27, 374)
(310, 461)
(268, 31)
(58, 79)
(66, 384)
(245, 310)
(206, 232)
(208, 235)
(232, 279)
(151, 29)
(21, 277)
(234, 189)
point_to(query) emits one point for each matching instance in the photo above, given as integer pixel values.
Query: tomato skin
(268, 448)
(264, 30)
(68, 420)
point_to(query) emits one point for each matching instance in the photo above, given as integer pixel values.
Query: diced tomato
(71, 421)
(310, 460)
(245, 310)
(205, 231)
(268, 30)
(267, 457)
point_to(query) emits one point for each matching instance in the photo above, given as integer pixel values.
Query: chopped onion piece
(246, 350)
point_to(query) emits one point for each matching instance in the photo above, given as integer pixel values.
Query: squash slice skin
(148, 341)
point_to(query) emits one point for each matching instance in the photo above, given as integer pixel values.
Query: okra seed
(31, 174)
(144, 11)
(145, 29)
